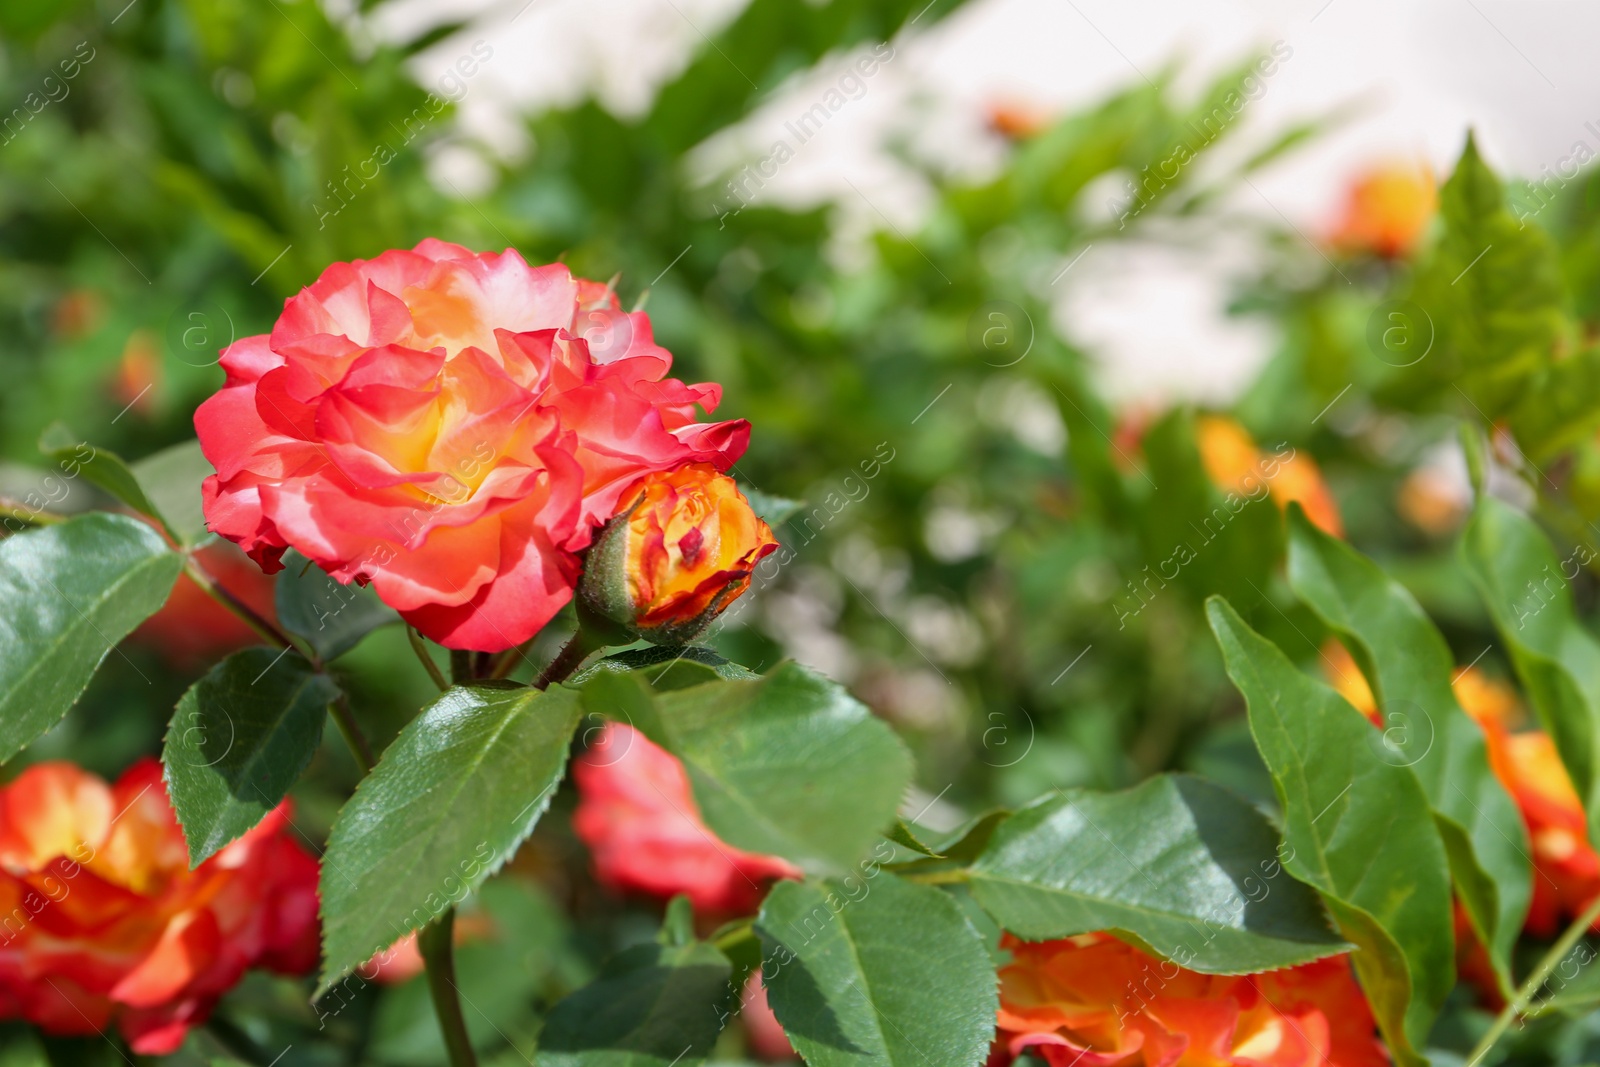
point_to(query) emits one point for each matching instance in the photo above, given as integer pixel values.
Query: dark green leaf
(171, 481)
(667, 658)
(450, 801)
(99, 465)
(239, 740)
(788, 764)
(1409, 667)
(877, 971)
(332, 618)
(652, 1006)
(1523, 583)
(1177, 864)
(1357, 828)
(70, 592)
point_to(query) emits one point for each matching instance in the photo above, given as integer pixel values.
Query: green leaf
(668, 658)
(877, 971)
(1495, 289)
(1176, 864)
(171, 481)
(789, 764)
(332, 618)
(1409, 666)
(1357, 828)
(652, 1006)
(1524, 585)
(451, 799)
(239, 739)
(71, 592)
(99, 465)
(773, 510)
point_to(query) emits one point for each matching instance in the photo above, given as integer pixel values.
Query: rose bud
(679, 550)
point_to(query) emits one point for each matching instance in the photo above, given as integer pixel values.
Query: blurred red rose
(102, 921)
(639, 819)
(451, 427)
(1094, 1001)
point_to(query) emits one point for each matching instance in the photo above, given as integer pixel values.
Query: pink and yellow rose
(450, 427)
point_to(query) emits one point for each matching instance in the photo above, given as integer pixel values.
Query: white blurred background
(1409, 77)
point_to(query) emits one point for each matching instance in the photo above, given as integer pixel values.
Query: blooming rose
(102, 920)
(680, 549)
(639, 820)
(1094, 1001)
(1233, 463)
(450, 427)
(1387, 210)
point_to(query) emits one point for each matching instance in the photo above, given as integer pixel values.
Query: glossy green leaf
(1409, 667)
(239, 739)
(1523, 583)
(651, 1006)
(71, 592)
(99, 465)
(657, 660)
(877, 972)
(171, 480)
(789, 764)
(1357, 827)
(446, 806)
(773, 510)
(1176, 863)
(333, 618)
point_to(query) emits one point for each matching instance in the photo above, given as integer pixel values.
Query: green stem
(572, 654)
(460, 666)
(436, 943)
(427, 661)
(256, 622)
(234, 1040)
(346, 721)
(1535, 982)
(15, 509)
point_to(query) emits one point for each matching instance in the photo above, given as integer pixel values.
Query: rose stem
(345, 719)
(574, 652)
(259, 624)
(1535, 981)
(460, 666)
(427, 661)
(436, 943)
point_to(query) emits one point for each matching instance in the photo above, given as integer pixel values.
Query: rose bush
(102, 922)
(449, 427)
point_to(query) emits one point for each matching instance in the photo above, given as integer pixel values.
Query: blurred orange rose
(102, 921)
(1235, 465)
(1095, 1001)
(680, 549)
(639, 819)
(1017, 119)
(1386, 210)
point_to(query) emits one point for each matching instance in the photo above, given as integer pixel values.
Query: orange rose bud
(678, 551)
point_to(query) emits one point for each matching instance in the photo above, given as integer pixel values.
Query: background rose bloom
(1235, 464)
(1387, 210)
(192, 630)
(101, 919)
(1095, 1001)
(449, 426)
(641, 824)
